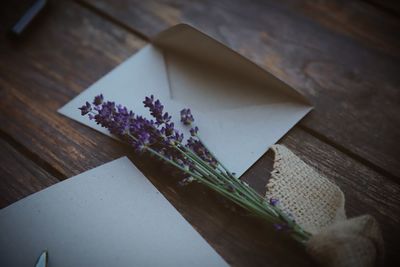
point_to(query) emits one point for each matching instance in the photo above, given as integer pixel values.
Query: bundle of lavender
(159, 137)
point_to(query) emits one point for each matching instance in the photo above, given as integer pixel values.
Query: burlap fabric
(317, 205)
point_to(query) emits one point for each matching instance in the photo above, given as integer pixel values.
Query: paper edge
(68, 179)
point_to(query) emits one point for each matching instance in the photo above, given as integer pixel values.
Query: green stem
(249, 202)
(239, 185)
(212, 154)
(236, 199)
(238, 182)
(298, 231)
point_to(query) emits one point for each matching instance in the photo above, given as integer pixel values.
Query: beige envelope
(240, 108)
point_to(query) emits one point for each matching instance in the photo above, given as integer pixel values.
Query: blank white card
(108, 216)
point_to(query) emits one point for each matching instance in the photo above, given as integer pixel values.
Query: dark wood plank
(389, 6)
(69, 50)
(317, 48)
(353, 18)
(19, 176)
(357, 19)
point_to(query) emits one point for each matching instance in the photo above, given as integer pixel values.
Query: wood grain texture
(69, 50)
(356, 19)
(390, 6)
(340, 54)
(19, 176)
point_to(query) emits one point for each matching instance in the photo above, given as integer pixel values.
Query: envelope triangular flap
(201, 68)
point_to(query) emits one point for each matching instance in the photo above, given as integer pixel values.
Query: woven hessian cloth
(317, 205)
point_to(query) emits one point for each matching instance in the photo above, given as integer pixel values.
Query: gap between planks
(24, 151)
(111, 19)
(349, 153)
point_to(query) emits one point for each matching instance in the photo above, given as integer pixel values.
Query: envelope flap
(187, 42)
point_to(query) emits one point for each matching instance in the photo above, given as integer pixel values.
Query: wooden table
(343, 55)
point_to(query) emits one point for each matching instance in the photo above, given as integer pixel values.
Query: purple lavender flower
(179, 137)
(148, 101)
(138, 131)
(168, 130)
(85, 109)
(98, 100)
(197, 147)
(156, 110)
(186, 116)
(144, 138)
(273, 201)
(193, 131)
(166, 117)
(159, 137)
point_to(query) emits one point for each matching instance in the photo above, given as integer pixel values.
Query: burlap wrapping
(318, 206)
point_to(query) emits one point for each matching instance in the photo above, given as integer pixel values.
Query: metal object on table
(28, 17)
(42, 260)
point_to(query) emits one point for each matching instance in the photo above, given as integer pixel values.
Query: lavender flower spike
(186, 116)
(194, 130)
(98, 100)
(85, 109)
(156, 110)
(273, 201)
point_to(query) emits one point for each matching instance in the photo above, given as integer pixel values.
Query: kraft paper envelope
(109, 216)
(241, 109)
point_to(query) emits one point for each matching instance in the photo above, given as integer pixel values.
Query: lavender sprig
(159, 137)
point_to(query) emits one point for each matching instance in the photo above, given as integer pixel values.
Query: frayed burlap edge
(317, 205)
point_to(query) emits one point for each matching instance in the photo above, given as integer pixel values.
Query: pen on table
(28, 17)
(42, 260)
